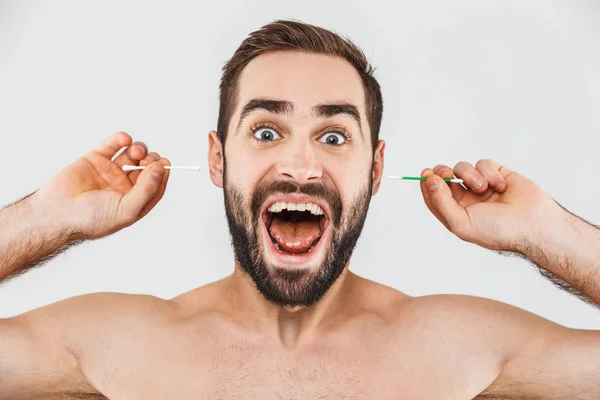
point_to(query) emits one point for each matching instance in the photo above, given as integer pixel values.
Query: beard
(298, 287)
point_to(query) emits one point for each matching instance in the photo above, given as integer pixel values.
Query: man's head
(298, 155)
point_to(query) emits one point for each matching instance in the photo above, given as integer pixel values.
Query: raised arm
(89, 199)
(27, 239)
(556, 362)
(567, 252)
(504, 211)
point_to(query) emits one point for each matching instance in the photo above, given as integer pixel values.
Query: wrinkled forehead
(304, 79)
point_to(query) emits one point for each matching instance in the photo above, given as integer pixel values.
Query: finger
(161, 190)
(490, 170)
(441, 197)
(457, 189)
(471, 177)
(150, 158)
(153, 157)
(141, 193)
(427, 197)
(132, 155)
(113, 144)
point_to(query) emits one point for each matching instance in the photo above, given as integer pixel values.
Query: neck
(289, 326)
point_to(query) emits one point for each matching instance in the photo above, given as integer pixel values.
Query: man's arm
(519, 355)
(510, 213)
(508, 352)
(63, 350)
(89, 199)
(28, 238)
(558, 362)
(34, 365)
(504, 211)
(568, 253)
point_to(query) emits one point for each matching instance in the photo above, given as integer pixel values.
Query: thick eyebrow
(330, 110)
(287, 107)
(273, 106)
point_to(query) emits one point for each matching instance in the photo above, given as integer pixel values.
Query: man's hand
(502, 210)
(94, 197)
(499, 209)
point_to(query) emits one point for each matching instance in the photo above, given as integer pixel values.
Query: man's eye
(266, 134)
(332, 138)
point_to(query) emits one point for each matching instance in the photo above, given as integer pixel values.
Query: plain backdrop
(515, 81)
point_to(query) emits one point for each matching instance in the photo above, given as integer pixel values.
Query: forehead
(304, 79)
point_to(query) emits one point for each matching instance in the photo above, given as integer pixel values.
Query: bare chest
(220, 368)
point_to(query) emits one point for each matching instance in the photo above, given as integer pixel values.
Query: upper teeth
(282, 205)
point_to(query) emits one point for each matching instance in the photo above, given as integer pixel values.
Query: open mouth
(295, 228)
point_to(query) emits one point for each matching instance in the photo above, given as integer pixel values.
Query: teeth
(282, 205)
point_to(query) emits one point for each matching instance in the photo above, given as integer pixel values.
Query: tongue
(294, 237)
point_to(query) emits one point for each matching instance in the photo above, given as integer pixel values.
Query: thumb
(146, 186)
(442, 200)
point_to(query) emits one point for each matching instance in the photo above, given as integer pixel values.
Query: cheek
(244, 168)
(350, 181)
(354, 194)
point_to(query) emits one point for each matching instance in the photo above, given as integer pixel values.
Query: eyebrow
(330, 110)
(287, 107)
(273, 106)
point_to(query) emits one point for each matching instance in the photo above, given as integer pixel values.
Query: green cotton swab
(419, 178)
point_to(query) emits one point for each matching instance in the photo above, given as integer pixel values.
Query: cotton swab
(133, 167)
(420, 178)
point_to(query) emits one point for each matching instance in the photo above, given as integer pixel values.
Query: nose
(300, 164)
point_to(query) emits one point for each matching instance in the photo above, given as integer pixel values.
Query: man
(298, 155)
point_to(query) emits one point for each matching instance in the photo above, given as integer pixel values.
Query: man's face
(297, 173)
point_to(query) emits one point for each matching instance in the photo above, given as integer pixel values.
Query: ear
(215, 158)
(378, 166)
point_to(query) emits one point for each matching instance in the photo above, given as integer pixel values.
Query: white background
(515, 81)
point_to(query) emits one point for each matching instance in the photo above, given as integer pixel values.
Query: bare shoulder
(447, 309)
(77, 319)
(83, 318)
(472, 307)
(482, 319)
(101, 305)
(45, 346)
(496, 349)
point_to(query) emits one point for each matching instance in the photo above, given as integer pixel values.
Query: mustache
(314, 189)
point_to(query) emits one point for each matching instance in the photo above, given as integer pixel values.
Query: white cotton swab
(134, 167)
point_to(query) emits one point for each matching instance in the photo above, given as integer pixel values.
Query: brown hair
(288, 35)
